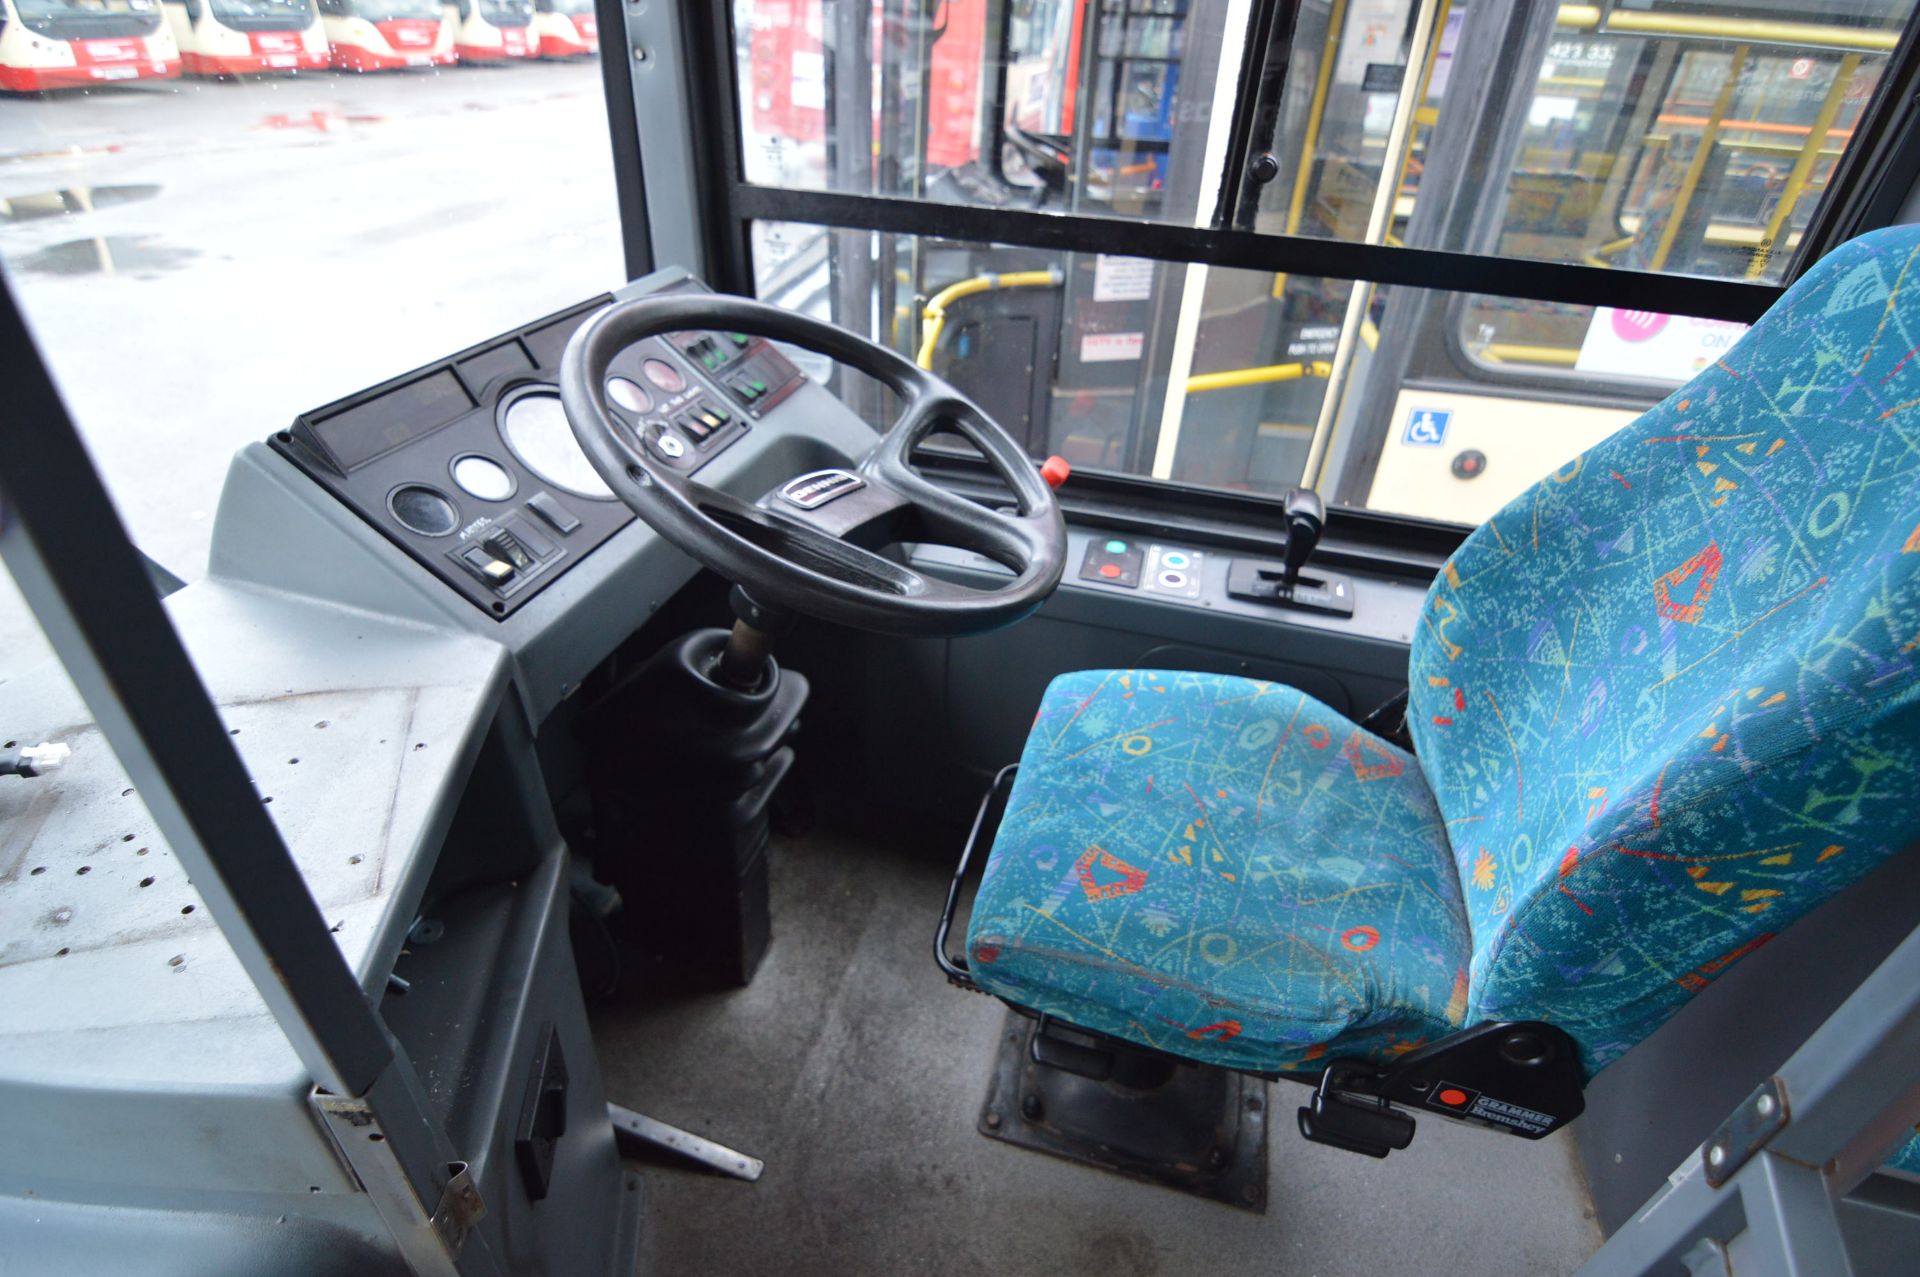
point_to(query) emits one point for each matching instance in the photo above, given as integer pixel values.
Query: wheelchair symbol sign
(1427, 427)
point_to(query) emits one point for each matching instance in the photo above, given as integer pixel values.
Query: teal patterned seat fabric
(1664, 703)
(1224, 869)
(1907, 1159)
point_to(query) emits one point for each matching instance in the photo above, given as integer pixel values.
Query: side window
(212, 231)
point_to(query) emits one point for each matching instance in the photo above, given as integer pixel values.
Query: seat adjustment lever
(1356, 1123)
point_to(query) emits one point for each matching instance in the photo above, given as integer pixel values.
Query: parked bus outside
(387, 35)
(566, 28)
(61, 44)
(492, 30)
(247, 37)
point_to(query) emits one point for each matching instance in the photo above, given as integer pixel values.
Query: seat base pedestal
(1202, 1132)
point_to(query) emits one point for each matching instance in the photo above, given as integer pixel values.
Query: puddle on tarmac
(106, 255)
(73, 199)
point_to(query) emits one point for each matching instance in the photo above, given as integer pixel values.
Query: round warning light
(664, 375)
(1453, 1097)
(630, 395)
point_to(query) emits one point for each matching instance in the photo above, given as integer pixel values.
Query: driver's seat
(1663, 703)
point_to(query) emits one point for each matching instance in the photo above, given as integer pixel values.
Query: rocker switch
(552, 513)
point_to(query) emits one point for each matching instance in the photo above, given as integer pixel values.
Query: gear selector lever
(1282, 583)
(1306, 516)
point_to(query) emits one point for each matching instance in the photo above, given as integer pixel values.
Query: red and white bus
(387, 35)
(566, 28)
(63, 44)
(247, 37)
(492, 30)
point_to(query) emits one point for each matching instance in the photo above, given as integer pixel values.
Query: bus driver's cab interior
(1121, 609)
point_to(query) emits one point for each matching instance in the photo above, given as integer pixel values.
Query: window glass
(1690, 138)
(201, 260)
(1085, 106)
(1222, 377)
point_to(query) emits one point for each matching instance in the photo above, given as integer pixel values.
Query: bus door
(387, 35)
(247, 37)
(59, 44)
(492, 30)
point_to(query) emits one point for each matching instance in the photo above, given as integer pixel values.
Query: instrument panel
(470, 465)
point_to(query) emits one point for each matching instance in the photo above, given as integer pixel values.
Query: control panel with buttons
(1113, 560)
(1174, 570)
(470, 464)
(1133, 565)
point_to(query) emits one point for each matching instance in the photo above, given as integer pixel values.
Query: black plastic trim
(1390, 545)
(1248, 250)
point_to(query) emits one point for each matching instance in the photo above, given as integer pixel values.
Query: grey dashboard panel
(278, 528)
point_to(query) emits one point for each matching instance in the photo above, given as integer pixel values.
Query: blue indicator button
(1175, 559)
(1116, 547)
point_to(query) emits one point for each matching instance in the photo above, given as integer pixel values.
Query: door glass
(1690, 138)
(1101, 359)
(1084, 106)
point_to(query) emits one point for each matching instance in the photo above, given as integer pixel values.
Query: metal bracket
(430, 1244)
(1760, 1117)
(636, 1133)
(460, 1208)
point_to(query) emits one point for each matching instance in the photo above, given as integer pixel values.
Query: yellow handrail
(1508, 352)
(1810, 34)
(1237, 377)
(934, 316)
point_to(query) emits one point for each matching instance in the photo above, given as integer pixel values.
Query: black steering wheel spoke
(815, 544)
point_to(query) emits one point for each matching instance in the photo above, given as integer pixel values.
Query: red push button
(1109, 570)
(1055, 471)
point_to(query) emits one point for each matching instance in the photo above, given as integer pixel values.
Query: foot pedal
(1356, 1123)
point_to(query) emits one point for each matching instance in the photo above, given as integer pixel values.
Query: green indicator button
(1116, 547)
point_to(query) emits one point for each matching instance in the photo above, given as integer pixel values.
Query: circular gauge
(423, 510)
(630, 395)
(482, 477)
(535, 426)
(664, 375)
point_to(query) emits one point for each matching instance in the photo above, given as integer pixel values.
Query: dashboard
(470, 466)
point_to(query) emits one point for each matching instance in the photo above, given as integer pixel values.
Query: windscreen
(507, 13)
(265, 15)
(397, 10)
(89, 19)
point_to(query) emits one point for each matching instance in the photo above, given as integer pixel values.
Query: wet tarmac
(202, 260)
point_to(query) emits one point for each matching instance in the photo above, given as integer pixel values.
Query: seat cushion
(1221, 868)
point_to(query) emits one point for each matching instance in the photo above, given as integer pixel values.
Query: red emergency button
(1109, 570)
(1453, 1096)
(1055, 471)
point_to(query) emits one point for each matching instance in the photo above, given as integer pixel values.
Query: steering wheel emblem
(811, 491)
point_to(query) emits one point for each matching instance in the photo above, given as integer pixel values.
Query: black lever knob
(1306, 516)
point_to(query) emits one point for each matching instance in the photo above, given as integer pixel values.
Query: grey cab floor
(857, 1074)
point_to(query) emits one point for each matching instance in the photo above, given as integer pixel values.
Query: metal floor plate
(1203, 1133)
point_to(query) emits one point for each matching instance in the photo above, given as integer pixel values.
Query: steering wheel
(793, 550)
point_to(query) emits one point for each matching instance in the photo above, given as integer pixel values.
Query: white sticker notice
(1108, 348)
(1122, 279)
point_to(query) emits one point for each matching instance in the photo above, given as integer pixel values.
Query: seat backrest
(1667, 698)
